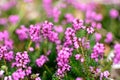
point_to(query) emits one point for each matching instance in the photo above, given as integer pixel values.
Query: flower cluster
(69, 34)
(109, 37)
(20, 73)
(79, 57)
(117, 53)
(5, 38)
(77, 24)
(41, 60)
(47, 32)
(21, 59)
(22, 32)
(5, 54)
(98, 51)
(63, 61)
(34, 33)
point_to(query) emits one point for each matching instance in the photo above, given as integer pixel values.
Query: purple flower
(77, 24)
(47, 5)
(41, 60)
(79, 78)
(31, 49)
(34, 33)
(28, 71)
(6, 6)
(114, 13)
(104, 74)
(56, 14)
(109, 37)
(1, 73)
(69, 17)
(13, 19)
(90, 30)
(98, 37)
(63, 61)
(22, 32)
(69, 34)
(116, 58)
(19, 74)
(46, 28)
(3, 21)
(58, 29)
(98, 50)
(21, 59)
(8, 78)
(77, 56)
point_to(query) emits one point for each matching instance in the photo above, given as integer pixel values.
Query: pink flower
(13, 19)
(90, 30)
(114, 13)
(79, 78)
(109, 37)
(98, 37)
(41, 60)
(58, 29)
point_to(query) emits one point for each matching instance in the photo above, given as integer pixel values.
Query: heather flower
(56, 13)
(19, 74)
(69, 34)
(47, 32)
(116, 58)
(58, 29)
(3, 21)
(77, 24)
(94, 70)
(104, 74)
(90, 30)
(98, 25)
(28, 70)
(22, 32)
(38, 78)
(9, 56)
(4, 35)
(79, 57)
(8, 78)
(41, 60)
(5, 53)
(46, 28)
(8, 43)
(113, 13)
(31, 49)
(21, 59)
(98, 51)
(109, 37)
(98, 17)
(8, 5)
(34, 33)
(98, 37)
(1, 73)
(69, 17)
(79, 78)
(53, 37)
(13, 19)
(85, 43)
(76, 42)
(47, 5)
(63, 61)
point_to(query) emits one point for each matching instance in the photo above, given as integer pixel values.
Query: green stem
(6, 66)
(30, 43)
(48, 69)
